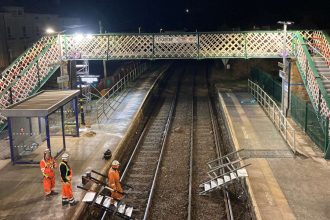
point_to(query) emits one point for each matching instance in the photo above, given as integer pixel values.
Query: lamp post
(286, 71)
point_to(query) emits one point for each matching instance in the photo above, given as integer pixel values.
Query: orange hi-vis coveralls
(47, 167)
(66, 176)
(113, 177)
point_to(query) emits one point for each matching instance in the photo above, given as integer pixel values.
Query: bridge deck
(283, 186)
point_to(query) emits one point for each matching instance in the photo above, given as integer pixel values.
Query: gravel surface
(171, 195)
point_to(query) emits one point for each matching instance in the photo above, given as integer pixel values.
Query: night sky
(170, 15)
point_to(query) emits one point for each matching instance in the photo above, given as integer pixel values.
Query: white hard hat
(115, 163)
(47, 150)
(65, 156)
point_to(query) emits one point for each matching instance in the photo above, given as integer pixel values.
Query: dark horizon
(170, 15)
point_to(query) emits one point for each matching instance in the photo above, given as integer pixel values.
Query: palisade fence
(305, 116)
(302, 111)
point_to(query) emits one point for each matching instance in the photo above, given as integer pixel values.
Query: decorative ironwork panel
(130, 46)
(84, 47)
(267, 44)
(221, 45)
(11, 73)
(29, 78)
(176, 46)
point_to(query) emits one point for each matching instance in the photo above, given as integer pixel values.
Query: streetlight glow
(50, 31)
(78, 36)
(89, 36)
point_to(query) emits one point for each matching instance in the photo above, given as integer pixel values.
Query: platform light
(50, 31)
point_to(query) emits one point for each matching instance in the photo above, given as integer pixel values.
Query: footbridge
(310, 48)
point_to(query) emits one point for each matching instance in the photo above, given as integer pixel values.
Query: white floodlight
(78, 36)
(50, 31)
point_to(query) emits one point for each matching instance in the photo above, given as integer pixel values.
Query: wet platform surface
(21, 194)
(283, 186)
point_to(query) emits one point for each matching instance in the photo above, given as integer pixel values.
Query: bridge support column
(64, 72)
(285, 100)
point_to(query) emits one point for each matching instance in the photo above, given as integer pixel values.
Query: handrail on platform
(274, 113)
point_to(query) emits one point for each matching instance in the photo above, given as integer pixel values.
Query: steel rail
(164, 140)
(215, 129)
(191, 150)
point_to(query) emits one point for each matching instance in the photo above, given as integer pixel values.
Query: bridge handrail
(22, 73)
(314, 84)
(26, 53)
(274, 113)
(316, 50)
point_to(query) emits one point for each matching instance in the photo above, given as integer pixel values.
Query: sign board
(166, 39)
(282, 74)
(62, 79)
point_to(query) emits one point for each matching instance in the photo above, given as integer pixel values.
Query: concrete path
(283, 186)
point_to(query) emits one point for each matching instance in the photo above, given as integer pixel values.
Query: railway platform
(21, 194)
(281, 185)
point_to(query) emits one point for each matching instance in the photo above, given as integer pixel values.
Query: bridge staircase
(313, 62)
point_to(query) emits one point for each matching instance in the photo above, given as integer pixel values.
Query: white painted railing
(274, 113)
(107, 102)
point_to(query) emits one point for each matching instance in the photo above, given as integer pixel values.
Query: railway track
(170, 161)
(141, 170)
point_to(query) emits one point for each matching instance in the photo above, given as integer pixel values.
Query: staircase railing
(322, 41)
(317, 51)
(105, 103)
(28, 73)
(314, 86)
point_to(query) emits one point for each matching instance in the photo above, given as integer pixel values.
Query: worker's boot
(65, 202)
(72, 202)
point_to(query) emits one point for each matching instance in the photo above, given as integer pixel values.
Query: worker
(66, 177)
(114, 184)
(47, 164)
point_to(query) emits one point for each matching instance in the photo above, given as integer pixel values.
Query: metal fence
(108, 102)
(267, 83)
(274, 112)
(305, 116)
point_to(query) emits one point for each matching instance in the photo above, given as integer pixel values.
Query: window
(24, 31)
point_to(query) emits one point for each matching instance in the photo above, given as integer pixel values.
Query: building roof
(40, 104)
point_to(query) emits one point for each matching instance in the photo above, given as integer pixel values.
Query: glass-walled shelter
(39, 122)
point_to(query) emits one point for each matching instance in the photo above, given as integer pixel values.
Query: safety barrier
(107, 102)
(274, 113)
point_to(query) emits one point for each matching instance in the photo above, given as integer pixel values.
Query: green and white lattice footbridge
(35, 66)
